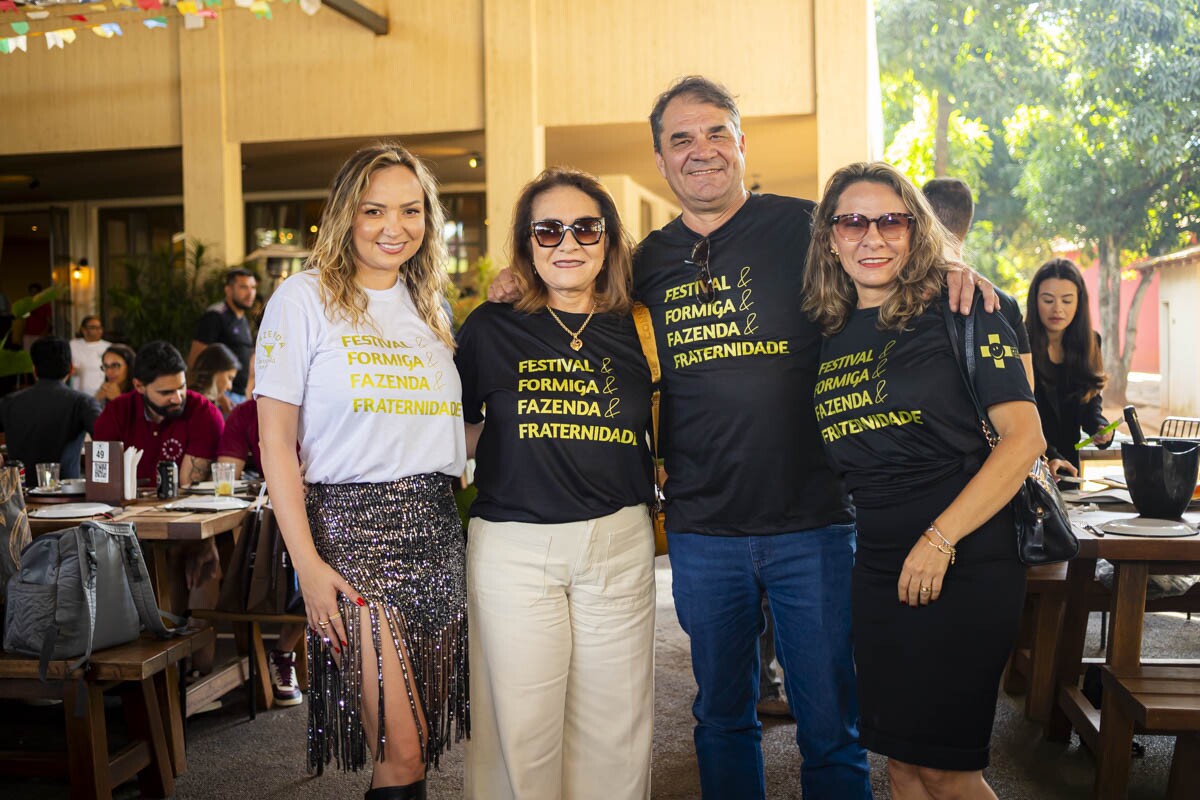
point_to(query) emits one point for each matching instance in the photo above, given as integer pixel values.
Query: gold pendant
(576, 343)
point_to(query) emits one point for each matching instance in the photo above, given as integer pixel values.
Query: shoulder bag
(1044, 534)
(78, 590)
(645, 330)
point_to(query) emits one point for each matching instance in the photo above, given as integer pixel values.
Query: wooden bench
(258, 677)
(147, 675)
(1031, 665)
(1154, 700)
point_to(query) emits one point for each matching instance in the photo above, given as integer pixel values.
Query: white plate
(208, 486)
(68, 488)
(72, 510)
(1146, 526)
(207, 503)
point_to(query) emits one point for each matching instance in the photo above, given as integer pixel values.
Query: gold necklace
(576, 342)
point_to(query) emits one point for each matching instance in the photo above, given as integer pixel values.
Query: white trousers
(561, 621)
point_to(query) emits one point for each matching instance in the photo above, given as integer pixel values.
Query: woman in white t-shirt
(355, 361)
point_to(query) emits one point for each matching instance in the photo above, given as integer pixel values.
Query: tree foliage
(1075, 120)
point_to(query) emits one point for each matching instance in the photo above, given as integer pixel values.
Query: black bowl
(1161, 476)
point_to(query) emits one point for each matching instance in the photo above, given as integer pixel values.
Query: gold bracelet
(933, 527)
(945, 549)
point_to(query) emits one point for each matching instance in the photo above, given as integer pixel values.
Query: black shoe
(411, 791)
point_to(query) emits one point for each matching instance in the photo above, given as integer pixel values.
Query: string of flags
(194, 13)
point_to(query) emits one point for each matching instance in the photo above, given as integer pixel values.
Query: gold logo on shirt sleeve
(997, 351)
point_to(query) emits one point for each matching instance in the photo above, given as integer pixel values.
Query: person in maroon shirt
(169, 423)
(239, 441)
(162, 418)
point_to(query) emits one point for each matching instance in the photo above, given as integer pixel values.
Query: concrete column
(213, 212)
(849, 111)
(514, 139)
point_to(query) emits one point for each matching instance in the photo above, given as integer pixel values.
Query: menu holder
(112, 473)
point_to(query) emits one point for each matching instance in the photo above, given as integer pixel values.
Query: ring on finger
(324, 623)
(925, 590)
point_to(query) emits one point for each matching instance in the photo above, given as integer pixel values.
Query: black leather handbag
(1044, 534)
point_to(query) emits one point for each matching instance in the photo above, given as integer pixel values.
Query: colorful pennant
(13, 44)
(155, 22)
(20, 28)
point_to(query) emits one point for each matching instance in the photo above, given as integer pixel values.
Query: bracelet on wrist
(943, 546)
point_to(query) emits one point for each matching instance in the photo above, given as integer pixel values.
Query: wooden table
(1134, 559)
(159, 530)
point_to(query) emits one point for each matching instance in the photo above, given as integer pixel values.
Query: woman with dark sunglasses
(934, 528)
(117, 364)
(560, 553)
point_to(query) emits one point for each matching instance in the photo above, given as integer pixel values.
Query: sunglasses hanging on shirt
(706, 288)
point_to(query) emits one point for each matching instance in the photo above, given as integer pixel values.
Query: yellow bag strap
(645, 331)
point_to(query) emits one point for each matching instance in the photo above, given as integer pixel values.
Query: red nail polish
(361, 602)
(344, 644)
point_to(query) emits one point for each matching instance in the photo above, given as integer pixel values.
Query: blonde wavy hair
(614, 284)
(830, 295)
(333, 254)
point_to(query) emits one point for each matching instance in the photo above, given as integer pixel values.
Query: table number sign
(106, 473)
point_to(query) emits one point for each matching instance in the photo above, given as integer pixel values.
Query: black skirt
(928, 676)
(401, 545)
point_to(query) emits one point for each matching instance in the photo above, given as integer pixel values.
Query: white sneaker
(284, 685)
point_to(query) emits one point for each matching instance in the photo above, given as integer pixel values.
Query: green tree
(1112, 158)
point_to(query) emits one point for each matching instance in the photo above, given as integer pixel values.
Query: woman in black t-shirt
(560, 553)
(934, 529)
(1068, 371)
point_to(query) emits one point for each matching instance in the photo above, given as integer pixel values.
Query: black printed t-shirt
(565, 434)
(739, 439)
(219, 325)
(893, 411)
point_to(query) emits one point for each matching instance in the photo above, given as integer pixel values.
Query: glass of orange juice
(223, 479)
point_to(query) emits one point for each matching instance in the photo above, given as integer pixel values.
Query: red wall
(1145, 353)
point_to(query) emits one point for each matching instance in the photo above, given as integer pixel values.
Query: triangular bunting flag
(20, 28)
(310, 7)
(206, 13)
(185, 7)
(8, 5)
(155, 22)
(212, 3)
(261, 9)
(37, 14)
(78, 17)
(113, 29)
(193, 22)
(127, 4)
(53, 40)
(102, 32)
(99, 7)
(243, 3)
(149, 5)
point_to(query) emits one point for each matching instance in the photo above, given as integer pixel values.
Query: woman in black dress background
(1068, 370)
(934, 529)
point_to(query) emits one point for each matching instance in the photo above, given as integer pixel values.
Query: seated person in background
(239, 446)
(1070, 370)
(47, 421)
(213, 373)
(170, 423)
(117, 364)
(227, 323)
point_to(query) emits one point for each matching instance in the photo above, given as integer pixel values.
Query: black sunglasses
(550, 232)
(706, 289)
(854, 227)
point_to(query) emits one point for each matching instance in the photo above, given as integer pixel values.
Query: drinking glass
(223, 479)
(47, 475)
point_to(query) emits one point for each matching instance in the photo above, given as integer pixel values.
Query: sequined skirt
(401, 546)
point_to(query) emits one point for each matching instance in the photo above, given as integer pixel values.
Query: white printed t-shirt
(375, 405)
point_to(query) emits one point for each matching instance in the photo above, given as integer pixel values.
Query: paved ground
(231, 757)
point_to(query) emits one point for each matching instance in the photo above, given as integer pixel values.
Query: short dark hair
(156, 359)
(51, 357)
(83, 322)
(240, 272)
(952, 203)
(695, 87)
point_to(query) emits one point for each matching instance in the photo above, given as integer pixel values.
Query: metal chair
(1180, 428)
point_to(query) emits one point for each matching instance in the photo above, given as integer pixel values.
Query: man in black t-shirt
(226, 322)
(753, 506)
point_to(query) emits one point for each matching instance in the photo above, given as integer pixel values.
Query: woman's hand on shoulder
(320, 585)
(961, 282)
(504, 287)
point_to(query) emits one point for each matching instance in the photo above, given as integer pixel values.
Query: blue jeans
(717, 584)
